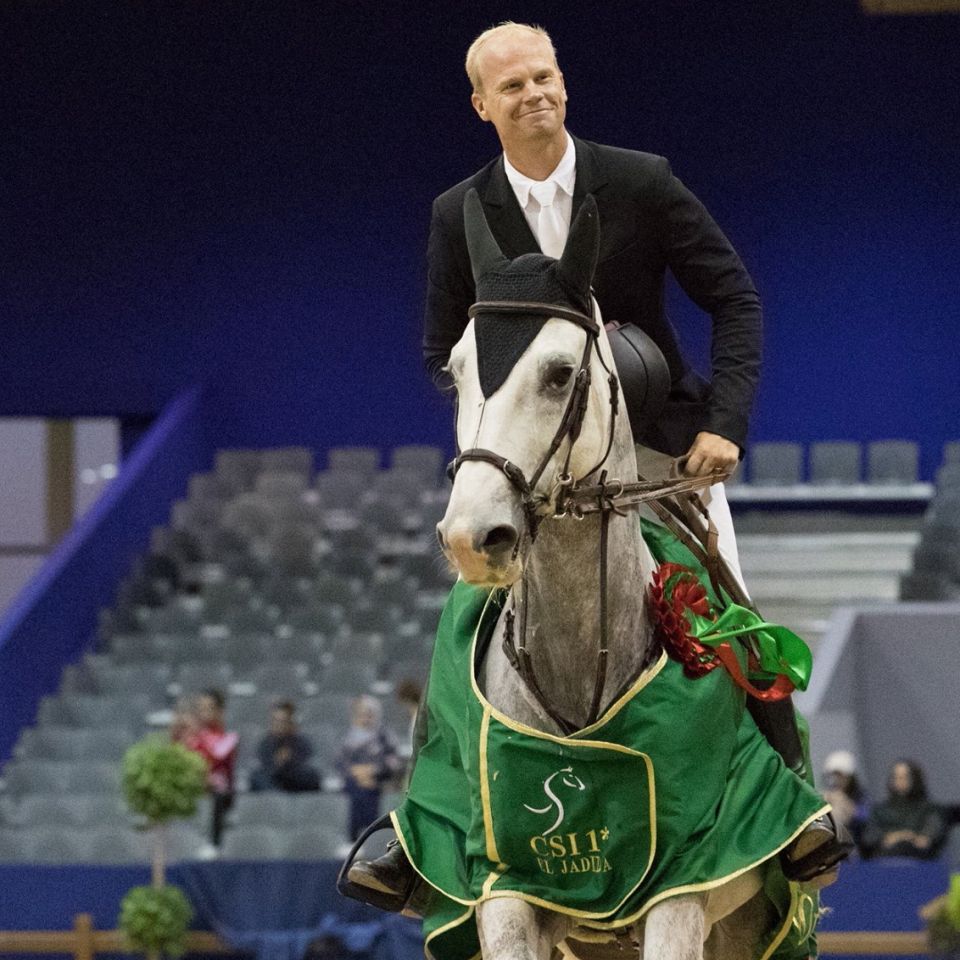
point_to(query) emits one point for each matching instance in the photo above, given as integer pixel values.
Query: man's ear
(477, 101)
(563, 86)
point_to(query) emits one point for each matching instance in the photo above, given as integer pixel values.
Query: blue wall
(52, 620)
(240, 192)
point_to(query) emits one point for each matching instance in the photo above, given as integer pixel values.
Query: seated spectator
(283, 754)
(843, 792)
(906, 824)
(218, 747)
(366, 761)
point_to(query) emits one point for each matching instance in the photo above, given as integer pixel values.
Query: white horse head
(515, 372)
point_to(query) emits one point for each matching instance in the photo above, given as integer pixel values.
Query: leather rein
(672, 499)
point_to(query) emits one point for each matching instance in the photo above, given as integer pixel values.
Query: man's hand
(710, 452)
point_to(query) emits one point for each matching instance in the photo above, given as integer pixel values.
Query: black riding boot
(815, 854)
(392, 875)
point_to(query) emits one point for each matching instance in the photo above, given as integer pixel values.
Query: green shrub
(156, 919)
(943, 930)
(163, 780)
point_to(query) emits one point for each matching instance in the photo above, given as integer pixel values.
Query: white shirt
(564, 176)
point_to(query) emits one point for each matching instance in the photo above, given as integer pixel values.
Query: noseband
(571, 422)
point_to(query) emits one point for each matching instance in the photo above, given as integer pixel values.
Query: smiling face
(521, 89)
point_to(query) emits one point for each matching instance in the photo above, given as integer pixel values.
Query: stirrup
(820, 866)
(391, 902)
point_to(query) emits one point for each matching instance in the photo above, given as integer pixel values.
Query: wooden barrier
(84, 943)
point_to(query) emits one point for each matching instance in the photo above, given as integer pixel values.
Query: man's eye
(559, 376)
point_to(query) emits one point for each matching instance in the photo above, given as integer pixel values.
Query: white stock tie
(551, 230)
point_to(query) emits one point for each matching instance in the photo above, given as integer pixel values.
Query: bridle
(571, 422)
(575, 498)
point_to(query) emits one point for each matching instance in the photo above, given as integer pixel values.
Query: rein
(681, 511)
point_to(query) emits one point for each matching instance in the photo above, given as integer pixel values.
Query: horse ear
(579, 259)
(485, 252)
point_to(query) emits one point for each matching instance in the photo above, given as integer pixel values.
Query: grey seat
(16, 846)
(776, 464)
(281, 678)
(340, 489)
(184, 842)
(253, 843)
(239, 467)
(267, 809)
(287, 460)
(119, 845)
(102, 778)
(132, 648)
(281, 484)
(331, 810)
(835, 463)
(365, 460)
(948, 477)
(347, 677)
(50, 810)
(83, 710)
(319, 842)
(31, 776)
(57, 844)
(892, 462)
(201, 675)
(423, 460)
(951, 451)
(243, 711)
(142, 678)
(328, 708)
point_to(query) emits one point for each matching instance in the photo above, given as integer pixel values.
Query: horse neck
(563, 600)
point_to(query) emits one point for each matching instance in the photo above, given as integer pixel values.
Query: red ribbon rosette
(674, 590)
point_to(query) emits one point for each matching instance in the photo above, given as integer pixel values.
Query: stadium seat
(835, 463)
(281, 679)
(267, 809)
(253, 843)
(329, 811)
(120, 845)
(16, 846)
(892, 462)
(184, 842)
(776, 464)
(57, 844)
(428, 462)
(281, 485)
(341, 489)
(287, 460)
(314, 843)
(103, 778)
(364, 460)
(347, 677)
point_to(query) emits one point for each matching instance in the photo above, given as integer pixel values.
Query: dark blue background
(239, 192)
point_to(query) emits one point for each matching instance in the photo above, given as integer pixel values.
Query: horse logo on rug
(571, 780)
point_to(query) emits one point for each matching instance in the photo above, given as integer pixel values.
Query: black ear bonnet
(502, 338)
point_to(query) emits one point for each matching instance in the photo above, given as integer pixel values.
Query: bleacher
(274, 582)
(270, 582)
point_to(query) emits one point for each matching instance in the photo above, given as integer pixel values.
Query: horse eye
(559, 376)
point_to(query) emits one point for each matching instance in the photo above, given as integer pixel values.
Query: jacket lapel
(591, 175)
(504, 215)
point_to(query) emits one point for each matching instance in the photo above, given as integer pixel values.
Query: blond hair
(508, 26)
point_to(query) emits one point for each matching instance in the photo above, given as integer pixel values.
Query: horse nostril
(500, 538)
(443, 546)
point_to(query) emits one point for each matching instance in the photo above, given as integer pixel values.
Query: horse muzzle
(484, 554)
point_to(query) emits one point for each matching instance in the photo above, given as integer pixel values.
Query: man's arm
(713, 276)
(450, 292)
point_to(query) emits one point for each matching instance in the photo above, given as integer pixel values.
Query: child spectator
(906, 824)
(218, 747)
(367, 760)
(283, 754)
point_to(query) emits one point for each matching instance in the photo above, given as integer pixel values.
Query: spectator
(843, 792)
(184, 724)
(367, 760)
(283, 754)
(906, 824)
(218, 747)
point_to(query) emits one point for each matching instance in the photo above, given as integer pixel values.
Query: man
(649, 223)
(284, 754)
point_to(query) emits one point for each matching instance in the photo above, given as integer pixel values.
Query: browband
(532, 306)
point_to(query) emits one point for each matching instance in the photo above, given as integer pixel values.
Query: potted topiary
(162, 781)
(943, 922)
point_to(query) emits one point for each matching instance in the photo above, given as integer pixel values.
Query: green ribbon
(777, 649)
